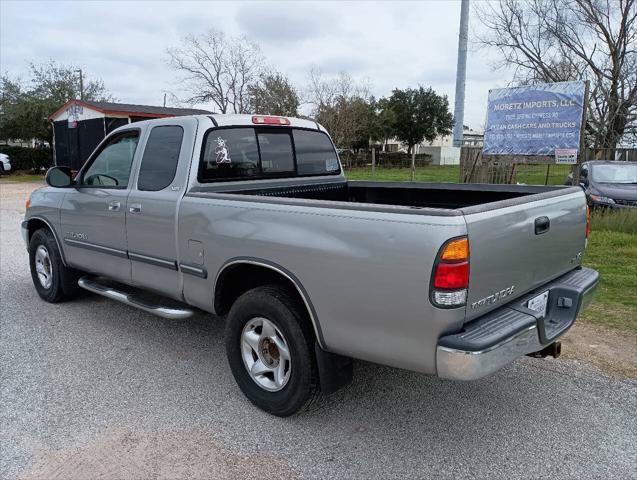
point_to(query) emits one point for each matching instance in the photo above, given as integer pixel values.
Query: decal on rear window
(221, 151)
(331, 164)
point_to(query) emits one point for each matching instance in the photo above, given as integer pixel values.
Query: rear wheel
(269, 344)
(52, 280)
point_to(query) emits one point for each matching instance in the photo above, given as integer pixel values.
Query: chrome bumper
(462, 356)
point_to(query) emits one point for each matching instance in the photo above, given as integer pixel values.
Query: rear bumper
(490, 342)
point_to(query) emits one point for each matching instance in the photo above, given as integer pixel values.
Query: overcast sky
(387, 44)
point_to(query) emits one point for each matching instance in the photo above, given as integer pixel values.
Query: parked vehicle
(5, 163)
(251, 217)
(608, 184)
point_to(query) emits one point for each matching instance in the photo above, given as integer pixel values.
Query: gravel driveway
(95, 389)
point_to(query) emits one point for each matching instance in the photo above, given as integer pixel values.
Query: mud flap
(335, 371)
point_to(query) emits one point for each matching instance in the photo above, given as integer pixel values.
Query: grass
(624, 220)
(447, 173)
(529, 174)
(22, 177)
(612, 251)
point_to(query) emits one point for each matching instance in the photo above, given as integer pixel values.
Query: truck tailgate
(517, 248)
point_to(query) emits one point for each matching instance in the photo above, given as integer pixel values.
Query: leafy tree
(25, 106)
(382, 120)
(419, 114)
(273, 94)
(341, 106)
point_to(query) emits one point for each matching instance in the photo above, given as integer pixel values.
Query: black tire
(63, 285)
(275, 304)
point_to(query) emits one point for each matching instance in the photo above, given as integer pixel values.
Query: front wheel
(52, 280)
(269, 344)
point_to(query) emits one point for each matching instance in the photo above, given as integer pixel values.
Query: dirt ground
(612, 351)
(155, 455)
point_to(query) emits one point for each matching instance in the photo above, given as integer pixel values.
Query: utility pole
(461, 75)
(164, 99)
(81, 83)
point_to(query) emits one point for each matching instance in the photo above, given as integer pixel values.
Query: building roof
(132, 110)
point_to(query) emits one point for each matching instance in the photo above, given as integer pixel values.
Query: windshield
(615, 173)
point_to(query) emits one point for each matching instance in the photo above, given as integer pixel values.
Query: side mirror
(59, 177)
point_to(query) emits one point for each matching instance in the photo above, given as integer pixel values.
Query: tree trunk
(413, 164)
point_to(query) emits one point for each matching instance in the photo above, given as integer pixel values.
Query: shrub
(24, 158)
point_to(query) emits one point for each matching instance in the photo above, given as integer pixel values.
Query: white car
(5, 163)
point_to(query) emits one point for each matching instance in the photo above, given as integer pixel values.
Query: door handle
(135, 208)
(114, 206)
(542, 225)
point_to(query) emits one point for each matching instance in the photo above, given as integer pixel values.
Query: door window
(161, 155)
(112, 165)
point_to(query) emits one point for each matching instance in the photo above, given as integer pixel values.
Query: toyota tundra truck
(250, 218)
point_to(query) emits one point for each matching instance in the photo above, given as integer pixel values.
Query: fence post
(373, 162)
(581, 157)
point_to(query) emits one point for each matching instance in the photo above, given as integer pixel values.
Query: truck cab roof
(232, 120)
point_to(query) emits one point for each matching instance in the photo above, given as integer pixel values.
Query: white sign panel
(566, 156)
(73, 112)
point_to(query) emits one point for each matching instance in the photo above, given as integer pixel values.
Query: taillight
(450, 277)
(269, 120)
(588, 221)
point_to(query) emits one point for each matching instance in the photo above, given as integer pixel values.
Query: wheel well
(237, 279)
(36, 224)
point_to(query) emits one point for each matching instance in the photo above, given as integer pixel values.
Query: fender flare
(30, 220)
(286, 274)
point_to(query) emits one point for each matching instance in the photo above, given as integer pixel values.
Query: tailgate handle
(542, 225)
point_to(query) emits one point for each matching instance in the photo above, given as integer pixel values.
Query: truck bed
(520, 236)
(449, 196)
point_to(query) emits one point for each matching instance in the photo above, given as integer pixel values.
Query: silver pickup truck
(251, 218)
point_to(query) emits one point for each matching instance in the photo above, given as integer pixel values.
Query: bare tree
(218, 69)
(560, 40)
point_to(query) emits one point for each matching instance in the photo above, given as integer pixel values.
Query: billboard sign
(534, 119)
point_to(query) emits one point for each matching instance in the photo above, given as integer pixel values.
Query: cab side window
(161, 155)
(111, 168)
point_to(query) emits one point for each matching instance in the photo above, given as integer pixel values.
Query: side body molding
(288, 275)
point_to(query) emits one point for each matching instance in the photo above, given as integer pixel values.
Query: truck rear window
(247, 152)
